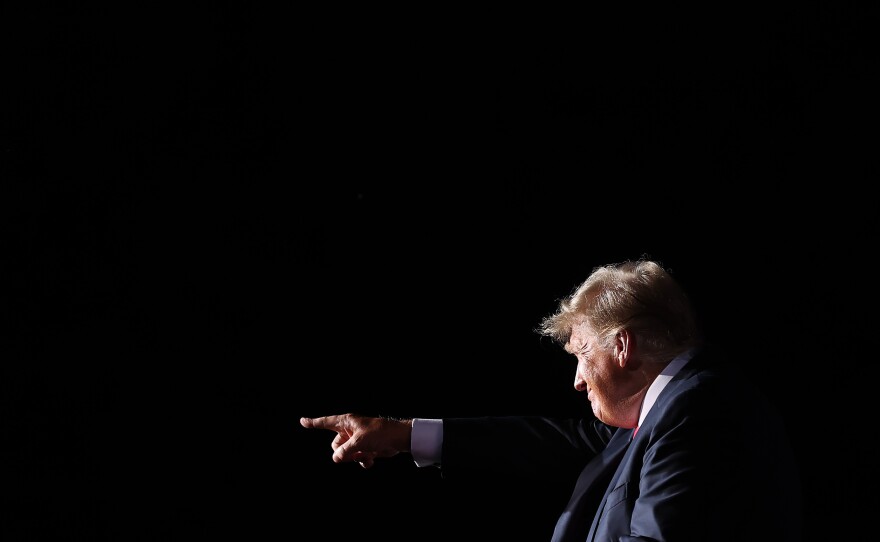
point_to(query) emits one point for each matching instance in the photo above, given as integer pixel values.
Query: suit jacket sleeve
(537, 448)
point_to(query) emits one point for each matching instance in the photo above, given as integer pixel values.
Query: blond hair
(638, 295)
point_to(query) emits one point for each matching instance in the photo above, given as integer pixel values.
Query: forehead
(581, 335)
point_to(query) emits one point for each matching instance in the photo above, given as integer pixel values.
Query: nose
(579, 383)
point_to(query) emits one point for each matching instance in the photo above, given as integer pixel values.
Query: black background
(220, 219)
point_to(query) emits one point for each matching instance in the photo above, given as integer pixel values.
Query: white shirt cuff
(426, 441)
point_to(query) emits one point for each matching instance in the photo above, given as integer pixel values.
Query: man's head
(624, 324)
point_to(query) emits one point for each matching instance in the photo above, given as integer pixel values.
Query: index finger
(324, 422)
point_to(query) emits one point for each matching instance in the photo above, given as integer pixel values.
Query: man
(679, 447)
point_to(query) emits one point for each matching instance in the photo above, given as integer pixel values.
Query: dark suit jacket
(711, 462)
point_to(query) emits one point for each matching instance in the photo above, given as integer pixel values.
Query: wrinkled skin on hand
(363, 439)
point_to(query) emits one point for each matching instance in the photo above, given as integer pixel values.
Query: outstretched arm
(364, 438)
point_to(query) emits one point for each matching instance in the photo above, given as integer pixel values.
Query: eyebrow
(569, 347)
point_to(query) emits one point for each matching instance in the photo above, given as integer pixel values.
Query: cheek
(597, 375)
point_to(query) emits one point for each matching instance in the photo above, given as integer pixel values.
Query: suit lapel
(626, 436)
(589, 489)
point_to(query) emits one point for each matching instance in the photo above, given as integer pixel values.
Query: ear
(623, 347)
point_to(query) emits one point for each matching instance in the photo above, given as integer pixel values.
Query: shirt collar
(660, 382)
